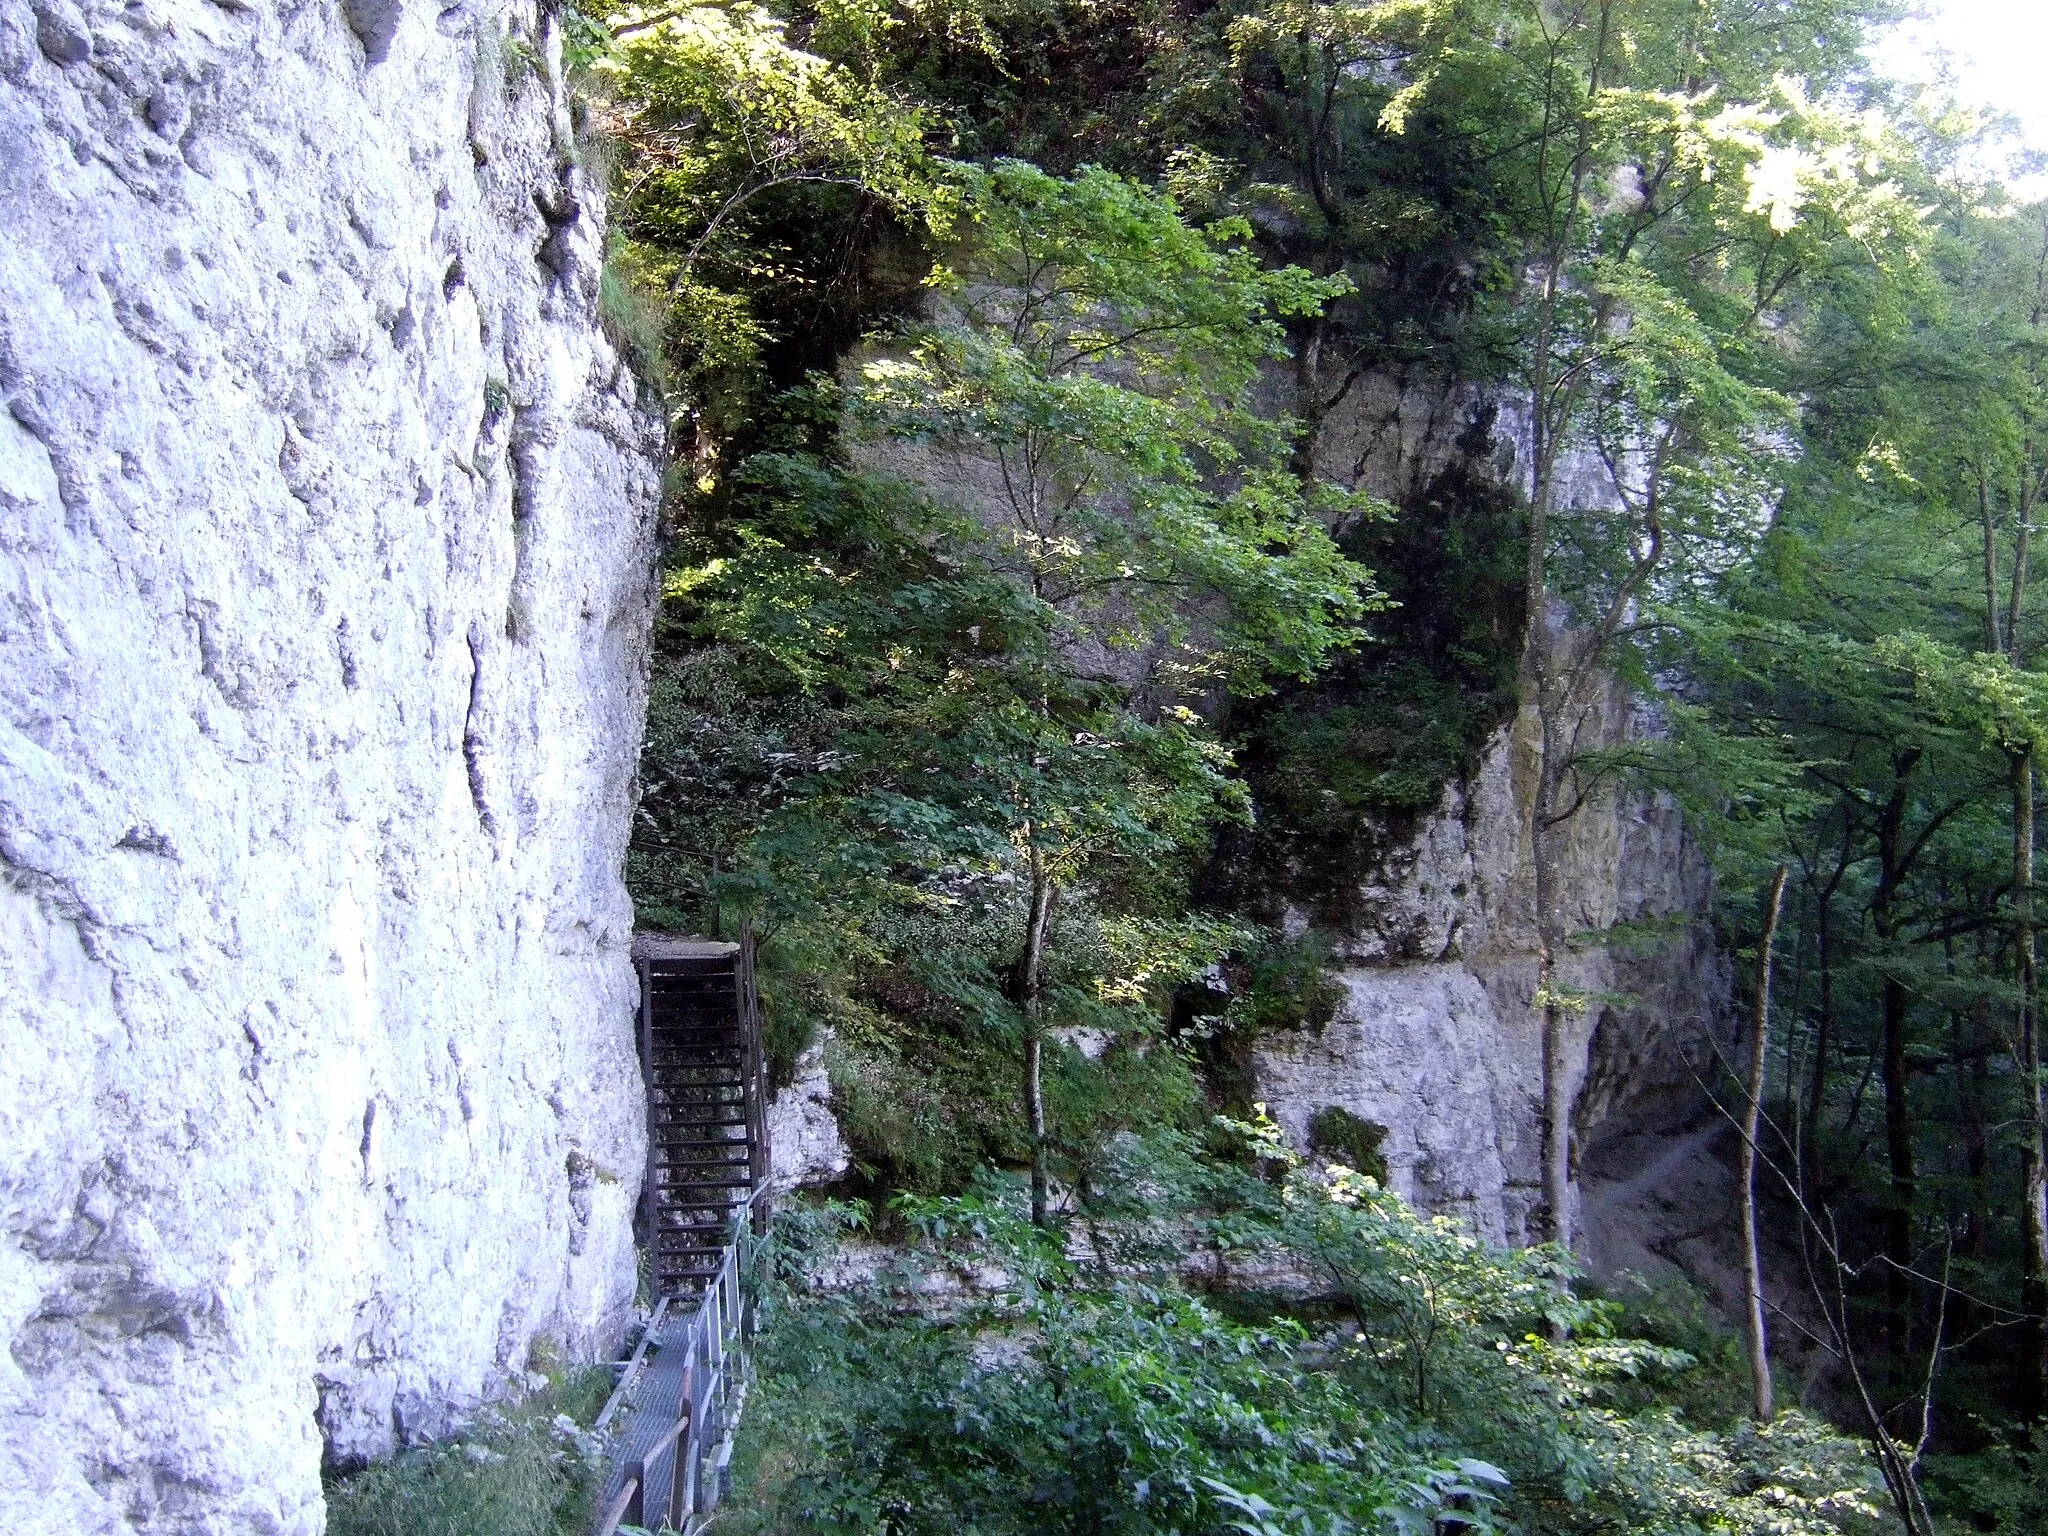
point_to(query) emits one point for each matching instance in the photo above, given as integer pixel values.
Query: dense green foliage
(1120, 448)
(999, 695)
(1055, 1391)
(520, 1472)
(1865, 700)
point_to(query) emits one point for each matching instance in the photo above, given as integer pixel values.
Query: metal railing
(712, 1343)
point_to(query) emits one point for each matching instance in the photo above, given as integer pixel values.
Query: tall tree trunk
(1895, 1006)
(2033, 1154)
(1557, 1098)
(1030, 987)
(1761, 1405)
(1823, 1040)
(1967, 1046)
(1537, 690)
(1550, 417)
(1308, 368)
(2034, 1146)
(1898, 1143)
(1994, 638)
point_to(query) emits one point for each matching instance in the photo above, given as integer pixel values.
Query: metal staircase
(704, 1198)
(707, 1132)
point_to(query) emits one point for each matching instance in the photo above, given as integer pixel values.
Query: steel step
(667, 1082)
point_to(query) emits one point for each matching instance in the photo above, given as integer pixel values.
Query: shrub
(993, 1382)
(520, 1473)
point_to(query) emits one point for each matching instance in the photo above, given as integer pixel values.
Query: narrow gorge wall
(326, 519)
(1434, 1038)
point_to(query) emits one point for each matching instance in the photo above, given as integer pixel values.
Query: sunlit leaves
(1051, 1392)
(715, 106)
(1099, 355)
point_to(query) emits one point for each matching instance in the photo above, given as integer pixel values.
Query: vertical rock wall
(325, 551)
(1435, 1039)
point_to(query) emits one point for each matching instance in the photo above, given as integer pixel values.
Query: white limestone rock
(325, 577)
(1435, 1039)
(805, 1146)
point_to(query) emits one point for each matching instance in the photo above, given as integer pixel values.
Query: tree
(1674, 227)
(1091, 370)
(738, 143)
(1664, 194)
(1752, 1119)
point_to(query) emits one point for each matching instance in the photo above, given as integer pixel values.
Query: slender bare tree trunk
(1034, 1113)
(1895, 1071)
(1823, 1038)
(1966, 1044)
(2034, 1149)
(2034, 1156)
(1994, 640)
(1761, 1405)
(1549, 423)
(1031, 1002)
(1557, 1066)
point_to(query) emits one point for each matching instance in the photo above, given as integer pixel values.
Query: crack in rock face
(319, 1107)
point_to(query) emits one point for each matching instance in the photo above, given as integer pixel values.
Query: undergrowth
(520, 1471)
(995, 1378)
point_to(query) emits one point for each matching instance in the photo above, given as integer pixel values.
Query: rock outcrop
(1435, 1039)
(806, 1149)
(326, 520)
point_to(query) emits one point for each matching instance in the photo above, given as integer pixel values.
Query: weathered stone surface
(1436, 1039)
(325, 536)
(805, 1147)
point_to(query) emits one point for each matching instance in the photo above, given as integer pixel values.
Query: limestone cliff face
(325, 550)
(1435, 1038)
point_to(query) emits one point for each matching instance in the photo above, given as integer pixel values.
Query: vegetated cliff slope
(1428, 907)
(1434, 1037)
(325, 547)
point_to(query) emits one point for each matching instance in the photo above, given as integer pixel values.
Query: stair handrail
(715, 1338)
(760, 1154)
